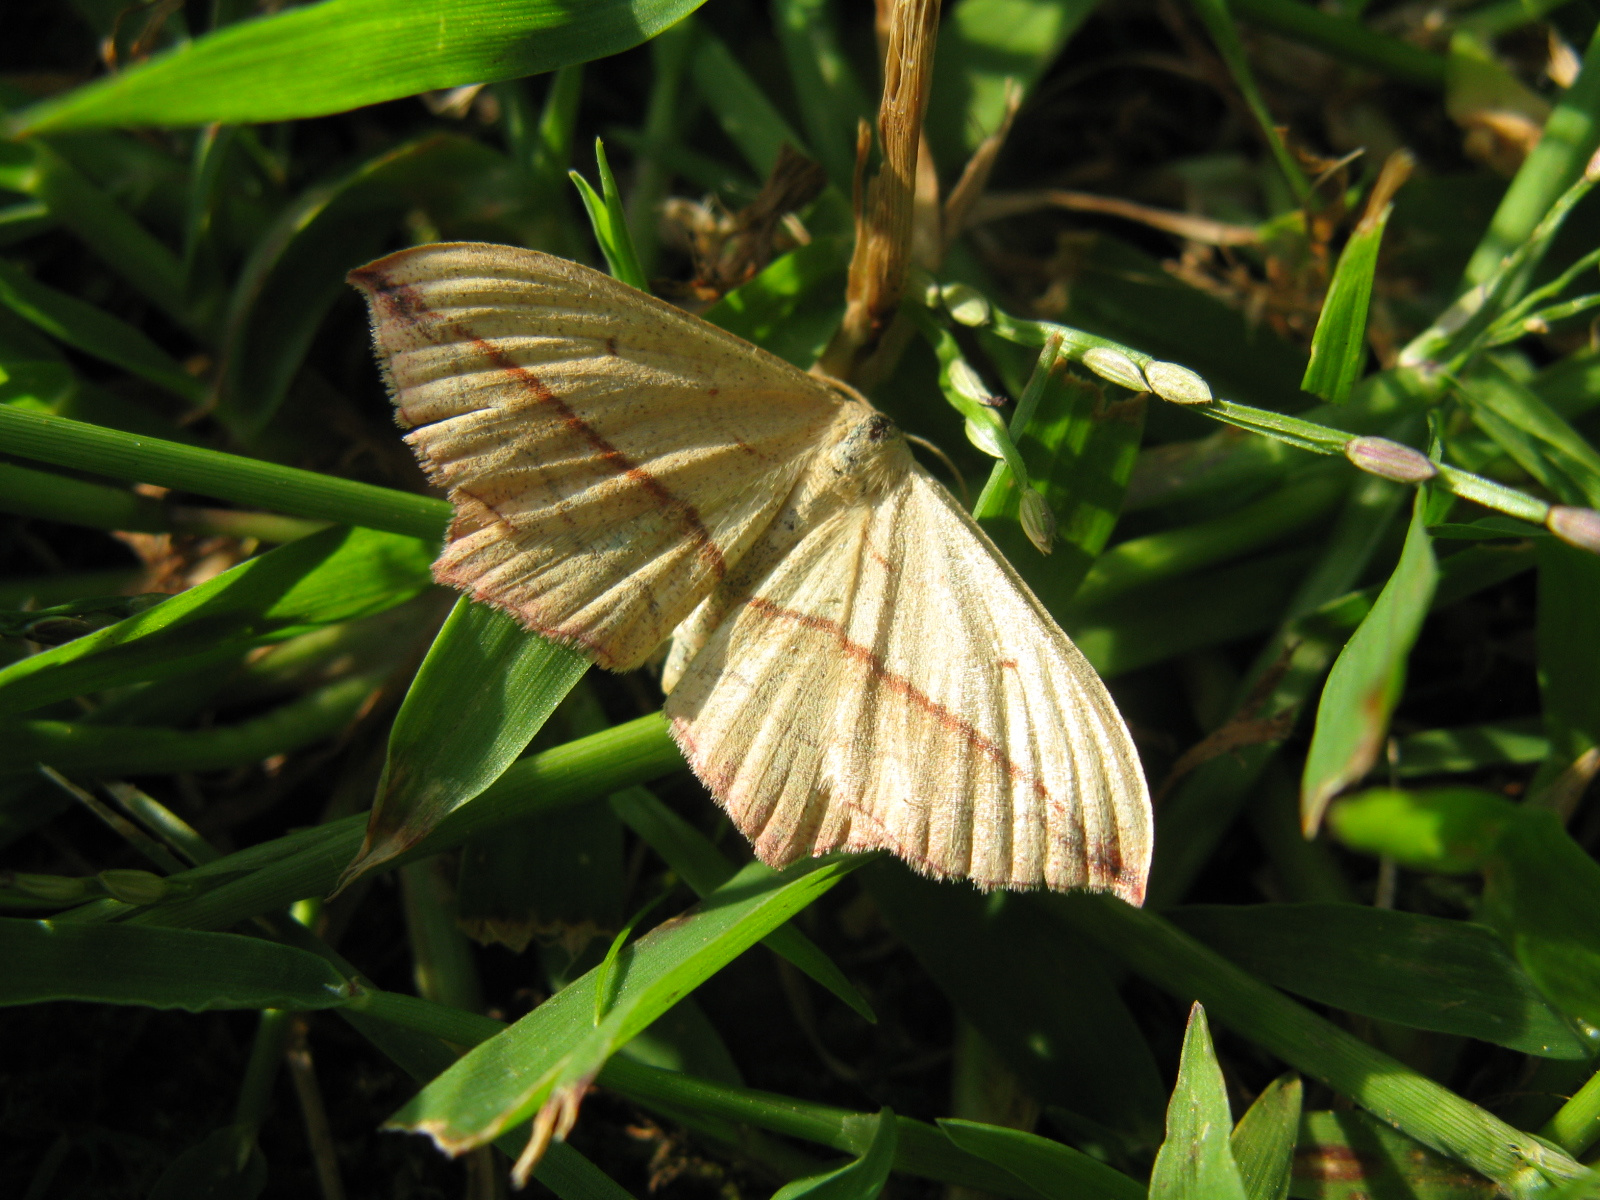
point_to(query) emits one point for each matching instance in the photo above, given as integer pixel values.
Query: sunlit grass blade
(743, 110)
(544, 1062)
(793, 305)
(830, 96)
(1339, 346)
(336, 575)
(698, 862)
(249, 481)
(610, 223)
(1264, 1139)
(1365, 682)
(484, 690)
(341, 54)
(159, 968)
(1196, 1161)
(1537, 437)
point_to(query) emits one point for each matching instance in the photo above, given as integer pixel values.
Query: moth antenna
(955, 471)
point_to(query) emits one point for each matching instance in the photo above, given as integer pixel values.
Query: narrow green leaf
(1471, 748)
(94, 331)
(1263, 1140)
(793, 305)
(699, 863)
(484, 690)
(1339, 346)
(610, 223)
(1196, 1161)
(830, 95)
(1537, 437)
(336, 575)
(1425, 972)
(249, 481)
(1348, 40)
(1366, 680)
(1054, 1171)
(862, 1179)
(340, 54)
(549, 1057)
(159, 968)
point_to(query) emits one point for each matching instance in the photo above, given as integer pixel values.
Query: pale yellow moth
(853, 664)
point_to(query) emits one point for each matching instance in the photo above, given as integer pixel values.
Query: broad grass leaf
(1054, 1171)
(1263, 1140)
(159, 968)
(1196, 1161)
(485, 688)
(296, 270)
(862, 1179)
(341, 54)
(697, 861)
(336, 575)
(1339, 345)
(549, 1057)
(1352, 1156)
(1424, 972)
(1367, 677)
(1058, 1022)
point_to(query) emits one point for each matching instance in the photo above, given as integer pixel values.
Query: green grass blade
(1263, 1140)
(862, 1179)
(1196, 1161)
(793, 305)
(1054, 1171)
(1367, 678)
(756, 126)
(139, 750)
(1427, 1111)
(610, 222)
(337, 575)
(94, 331)
(1420, 971)
(549, 1057)
(484, 690)
(249, 481)
(159, 968)
(271, 876)
(1339, 346)
(1534, 434)
(1472, 747)
(698, 862)
(340, 54)
(1570, 136)
(1347, 40)
(830, 95)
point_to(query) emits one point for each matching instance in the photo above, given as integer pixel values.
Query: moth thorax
(872, 454)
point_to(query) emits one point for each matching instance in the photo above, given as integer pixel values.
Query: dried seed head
(1038, 522)
(966, 305)
(1177, 384)
(1390, 460)
(1578, 527)
(1117, 367)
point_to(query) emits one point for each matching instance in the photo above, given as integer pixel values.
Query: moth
(853, 665)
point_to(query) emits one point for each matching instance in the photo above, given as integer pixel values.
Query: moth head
(872, 454)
